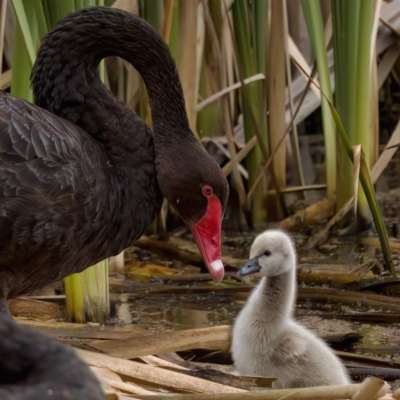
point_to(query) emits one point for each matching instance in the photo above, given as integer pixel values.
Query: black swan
(34, 366)
(81, 181)
(266, 340)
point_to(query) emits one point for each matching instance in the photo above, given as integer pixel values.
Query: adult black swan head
(81, 181)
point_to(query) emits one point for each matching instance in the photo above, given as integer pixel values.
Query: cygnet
(266, 340)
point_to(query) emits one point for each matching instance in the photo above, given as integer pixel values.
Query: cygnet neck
(275, 298)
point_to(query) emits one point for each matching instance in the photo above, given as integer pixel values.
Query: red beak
(207, 235)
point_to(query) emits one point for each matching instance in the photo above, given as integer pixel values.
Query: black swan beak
(251, 267)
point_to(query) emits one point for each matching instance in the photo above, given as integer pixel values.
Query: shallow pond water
(169, 310)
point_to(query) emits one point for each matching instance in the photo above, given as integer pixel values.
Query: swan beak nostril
(251, 267)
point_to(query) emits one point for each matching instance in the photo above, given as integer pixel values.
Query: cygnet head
(272, 253)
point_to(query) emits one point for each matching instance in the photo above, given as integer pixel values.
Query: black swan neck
(66, 82)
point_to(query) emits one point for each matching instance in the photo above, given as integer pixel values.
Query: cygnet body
(266, 340)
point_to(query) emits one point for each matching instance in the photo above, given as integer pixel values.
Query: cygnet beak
(251, 267)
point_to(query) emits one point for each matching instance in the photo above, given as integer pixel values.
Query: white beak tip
(217, 270)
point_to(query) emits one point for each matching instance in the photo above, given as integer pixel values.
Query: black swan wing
(51, 175)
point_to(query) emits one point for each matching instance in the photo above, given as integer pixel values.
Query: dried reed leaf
(371, 241)
(292, 189)
(386, 155)
(370, 388)
(224, 151)
(276, 91)
(396, 395)
(169, 12)
(112, 395)
(79, 330)
(227, 169)
(187, 64)
(117, 263)
(156, 375)
(126, 387)
(387, 62)
(328, 30)
(200, 39)
(237, 181)
(374, 30)
(227, 90)
(299, 59)
(213, 338)
(131, 6)
(294, 137)
(229, 63)
(102, 373)
(5, 80)
(312, 393)
(312, 215)
(337, 217)
(29, 308)
(159, 362)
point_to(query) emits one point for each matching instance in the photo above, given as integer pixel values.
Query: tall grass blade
(96, 299)
(30, 40)
(294, 139)
(154, 13)
(357, 150)
(252, 99)
(41, 18)
(345, 22)
(20, 82)
(214, 76)
(313, 16)
(74, 293)
(26, 37)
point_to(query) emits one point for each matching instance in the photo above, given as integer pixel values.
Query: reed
(250, 40)
(313, 16)
(353, 39)
(220, 43)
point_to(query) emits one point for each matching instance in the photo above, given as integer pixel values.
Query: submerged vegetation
(252, 74)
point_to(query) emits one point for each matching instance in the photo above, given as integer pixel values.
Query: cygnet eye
(267, 253)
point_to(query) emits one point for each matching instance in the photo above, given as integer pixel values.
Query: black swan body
(81, 181)
(34, 366)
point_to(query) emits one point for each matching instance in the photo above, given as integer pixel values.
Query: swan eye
(207, 191)
(267, 253)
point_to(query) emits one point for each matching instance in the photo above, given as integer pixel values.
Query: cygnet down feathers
(267, 341)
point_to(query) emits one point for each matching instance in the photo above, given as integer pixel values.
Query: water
(177, 309)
